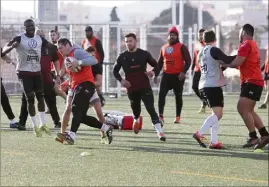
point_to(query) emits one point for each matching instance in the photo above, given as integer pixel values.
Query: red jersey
(195, 57)
(250, 70)
(84, 75)
(173, 61)
(86, 43)
(266, 64)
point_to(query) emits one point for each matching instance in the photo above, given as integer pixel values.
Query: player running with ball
(78, 66)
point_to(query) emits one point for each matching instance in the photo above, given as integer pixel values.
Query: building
(254, 12)
(47, 10)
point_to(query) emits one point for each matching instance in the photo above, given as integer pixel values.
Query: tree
(190, 18)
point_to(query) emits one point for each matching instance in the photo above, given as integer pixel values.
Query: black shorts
(31, 83)
(171, 81)
(213, 96)
(84, 91)
(196, 79)
(97, 69)
(266, 76)
(251, 91)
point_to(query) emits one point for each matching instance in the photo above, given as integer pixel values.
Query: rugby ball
(68, 64)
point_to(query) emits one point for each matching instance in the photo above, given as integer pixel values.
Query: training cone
(258, 151)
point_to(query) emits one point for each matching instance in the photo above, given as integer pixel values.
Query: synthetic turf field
(135, 160)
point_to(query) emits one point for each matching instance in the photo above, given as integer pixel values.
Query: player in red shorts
(266, 82)
(248, 62)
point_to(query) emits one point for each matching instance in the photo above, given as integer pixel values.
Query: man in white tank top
(28, 48)
(210, 87)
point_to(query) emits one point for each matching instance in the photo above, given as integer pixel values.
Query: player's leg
(164, 88)
(80, 106)
(28, 88)
(50, 99)
(59, 92)
(65, 117)
(251, 93)
(195, 87)
(266, 99)
(214, 99)
(264, 136)
(148, 100)
(7, 108)
(135, 101)
(23, 113)
(39, 92)
(98, 71)
(178, 90)
(95, 102)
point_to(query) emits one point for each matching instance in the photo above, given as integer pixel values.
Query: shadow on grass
(186, 151)
(131, 135)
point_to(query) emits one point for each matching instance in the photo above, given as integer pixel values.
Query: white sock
(33, 119)
(42, 118)
(12, 121)
(104, 128)
(137, 120)
(158, 128)
(214, 133)
(209, 122)
(72, 135)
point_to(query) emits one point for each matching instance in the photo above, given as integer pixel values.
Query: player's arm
(194, 60)
(242, 54)
(44, 42)
(62, 71)
(83, 57)
(187, 58)
(217, 54)
(152, 62)
(159, 66)
(55, 59)
(116, 69)
(100, 50)
(11, 45)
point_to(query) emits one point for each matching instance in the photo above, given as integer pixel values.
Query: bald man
(48, 55)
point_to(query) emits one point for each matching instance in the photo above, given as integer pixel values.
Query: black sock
(263, 132)
(253, 134)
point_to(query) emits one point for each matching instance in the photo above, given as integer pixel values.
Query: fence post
(118, 52)
(143, 37)
(71, 32)
(107, 57)
(218, 36)
(190, 46)
(181, 20)
(195, 30)
(174, 13)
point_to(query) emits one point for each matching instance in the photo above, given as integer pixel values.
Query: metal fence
(150, 37)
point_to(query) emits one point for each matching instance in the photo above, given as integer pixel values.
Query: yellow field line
(13, 153)
(219, 177)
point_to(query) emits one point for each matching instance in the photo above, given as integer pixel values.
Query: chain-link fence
(150, 37)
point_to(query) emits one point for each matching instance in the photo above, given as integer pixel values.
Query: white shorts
(95, 98)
